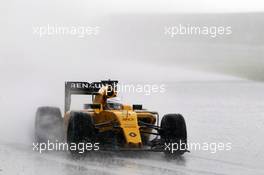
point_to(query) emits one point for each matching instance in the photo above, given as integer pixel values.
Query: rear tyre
(174, 133)
(81, 131)
(48, 125)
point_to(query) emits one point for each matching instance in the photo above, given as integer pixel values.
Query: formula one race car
(114, 126)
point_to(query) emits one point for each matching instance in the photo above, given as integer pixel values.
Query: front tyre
(174, 133)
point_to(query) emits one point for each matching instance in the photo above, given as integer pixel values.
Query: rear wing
(84, 88)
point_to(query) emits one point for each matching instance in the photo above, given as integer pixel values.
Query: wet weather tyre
(173, 131)
(48, 125)
(80, 130)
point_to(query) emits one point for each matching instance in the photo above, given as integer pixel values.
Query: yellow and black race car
(113, 125)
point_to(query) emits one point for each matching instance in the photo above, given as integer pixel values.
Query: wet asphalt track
(215, 112)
